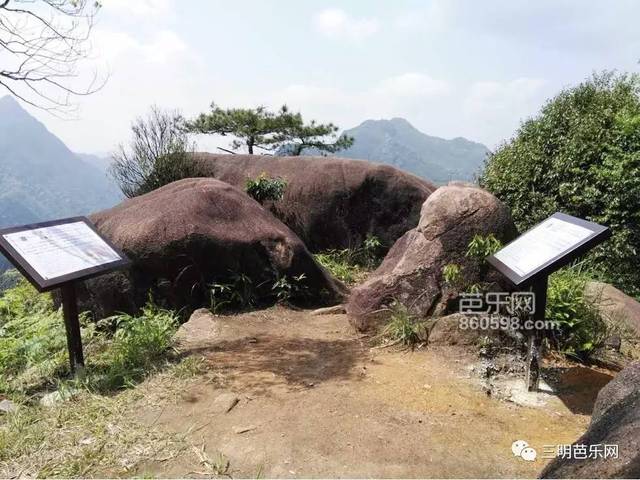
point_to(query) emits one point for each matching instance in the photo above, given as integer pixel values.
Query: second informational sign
(532, 257)
(548, 246)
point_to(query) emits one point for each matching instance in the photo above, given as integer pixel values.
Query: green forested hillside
(40, 178)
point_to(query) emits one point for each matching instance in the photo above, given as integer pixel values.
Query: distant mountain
(102, 163)
(396, 142)
(40, 178)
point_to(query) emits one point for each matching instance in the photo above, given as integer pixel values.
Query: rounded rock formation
(331, 203)
(411, 273)
(190, 234)
(615, 421)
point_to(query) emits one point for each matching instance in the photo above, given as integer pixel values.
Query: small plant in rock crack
(265, 188)
(289, 288)
(481, 246)
(452, 274)
(371, 251)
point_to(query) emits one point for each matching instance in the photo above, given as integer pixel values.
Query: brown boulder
(411, 273)
(331, 202)
(189, 234)
(615, 305)
(615, 421)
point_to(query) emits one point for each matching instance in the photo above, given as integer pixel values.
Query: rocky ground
(283, 393)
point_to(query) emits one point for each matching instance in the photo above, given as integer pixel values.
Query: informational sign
(548, 246)
(53, 253)
(532, 257)
(58, 254)
(59, 250)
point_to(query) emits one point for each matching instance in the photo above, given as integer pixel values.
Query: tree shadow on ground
(266, 362)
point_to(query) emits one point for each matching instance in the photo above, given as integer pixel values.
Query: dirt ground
(315, 400)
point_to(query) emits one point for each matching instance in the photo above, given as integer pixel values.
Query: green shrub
(8, 279)
(33, 345)
(479, 248)
(159, 153)
(137, 346)
(240, 293)
(340, 264)
(265, 188)
(371, 251)
(580, 155)
(32, 338)
(581, 326)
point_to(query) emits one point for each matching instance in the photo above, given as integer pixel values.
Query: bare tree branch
(41, 45)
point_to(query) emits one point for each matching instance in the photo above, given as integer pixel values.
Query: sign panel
(52, 253)
(548, 246)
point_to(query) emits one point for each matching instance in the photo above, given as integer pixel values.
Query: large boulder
(411, 273)
(331, 202)
(615, 421)
(190, 234)
(616, 306)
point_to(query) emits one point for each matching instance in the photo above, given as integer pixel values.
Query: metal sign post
(529, 260)
(72, 326)
(535, 336)
(58, 254)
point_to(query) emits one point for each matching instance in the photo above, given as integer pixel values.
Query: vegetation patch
(240, 292)
(403, 328)
(480, 247)
(352, 265)
(89, 430)
(265, 188)
(92, 434)
(120, 350)
(581, 156)
(159, 153)
(581, 326)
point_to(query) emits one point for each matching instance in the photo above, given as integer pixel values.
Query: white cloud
(162, 47)
(432, 17)
(336, 23)
(496, 107)
(414, 85)
(411, 95)
(486, 111)
(389, 97)
(493, 97)
(144, 70)
(137, 8)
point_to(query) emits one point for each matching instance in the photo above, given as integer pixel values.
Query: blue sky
(450, 67)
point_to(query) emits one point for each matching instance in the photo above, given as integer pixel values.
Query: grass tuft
(352, 265)
(402, 328)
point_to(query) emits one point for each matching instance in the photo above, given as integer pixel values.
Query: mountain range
(40, 178)
(396, 142)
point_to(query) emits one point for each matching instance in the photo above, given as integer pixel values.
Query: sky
(452, 68)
